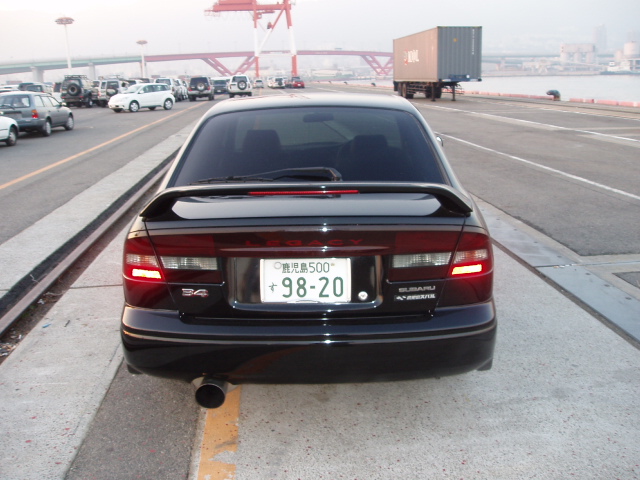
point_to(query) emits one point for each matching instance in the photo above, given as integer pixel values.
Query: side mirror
(440, 141)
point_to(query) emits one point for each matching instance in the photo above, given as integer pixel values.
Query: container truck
(442, 57)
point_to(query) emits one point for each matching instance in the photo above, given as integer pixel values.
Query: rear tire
(46, 129)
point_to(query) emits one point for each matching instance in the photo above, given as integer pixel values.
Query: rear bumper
(454, 341)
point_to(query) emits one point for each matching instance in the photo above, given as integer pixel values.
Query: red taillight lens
(184, 258)
(422, 255)
(34, 114)
(433, 255)
(473, 255)
(140, 261)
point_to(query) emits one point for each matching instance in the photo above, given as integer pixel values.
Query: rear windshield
(16, 101)
(362, 144)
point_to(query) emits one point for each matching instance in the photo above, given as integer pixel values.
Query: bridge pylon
(258, 10)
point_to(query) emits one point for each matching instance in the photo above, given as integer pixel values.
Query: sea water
(621, 88)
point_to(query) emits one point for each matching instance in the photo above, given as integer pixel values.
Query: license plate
(300, 280)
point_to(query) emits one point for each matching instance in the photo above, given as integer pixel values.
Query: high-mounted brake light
(305, 192)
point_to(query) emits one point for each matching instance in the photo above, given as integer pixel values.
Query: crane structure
(258, 10)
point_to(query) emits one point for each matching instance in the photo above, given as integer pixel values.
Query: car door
(162, 92)
(52, 106)
(145, 96)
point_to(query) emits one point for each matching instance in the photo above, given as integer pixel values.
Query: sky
(113, 27)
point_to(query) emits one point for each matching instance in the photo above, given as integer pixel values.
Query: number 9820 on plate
(299, 280)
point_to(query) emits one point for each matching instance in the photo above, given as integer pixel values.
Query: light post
(142, 43)
(66, 21)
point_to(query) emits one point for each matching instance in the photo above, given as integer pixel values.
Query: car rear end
(220, 85)
(21, 107)
(200, 87)
(290, 278)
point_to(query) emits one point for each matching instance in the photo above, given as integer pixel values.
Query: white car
(8, 130)
(143, 95)
(239, 85)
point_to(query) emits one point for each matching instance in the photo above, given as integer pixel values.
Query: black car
(308, 239)
(220, 85)
(36, 112)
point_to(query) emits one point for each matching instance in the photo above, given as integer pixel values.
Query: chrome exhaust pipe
(210, 392)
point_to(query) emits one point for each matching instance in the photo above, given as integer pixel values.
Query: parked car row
(284, 82)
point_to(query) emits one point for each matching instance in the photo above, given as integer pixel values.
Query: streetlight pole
(142, 43)
(66, 21)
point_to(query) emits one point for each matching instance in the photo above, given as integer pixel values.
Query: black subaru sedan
(308, 238)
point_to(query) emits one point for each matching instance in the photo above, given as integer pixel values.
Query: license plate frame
(305, 280)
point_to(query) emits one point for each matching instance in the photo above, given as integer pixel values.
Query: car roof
(393, 102)
(24, 92)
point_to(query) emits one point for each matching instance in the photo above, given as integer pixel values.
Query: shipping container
(442, 57)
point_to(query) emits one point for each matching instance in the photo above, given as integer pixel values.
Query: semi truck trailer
(430, 61)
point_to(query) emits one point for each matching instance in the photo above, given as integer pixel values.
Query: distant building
(600, 38)
(578, 56)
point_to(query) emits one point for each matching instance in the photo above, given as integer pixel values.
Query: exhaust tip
(211, 393)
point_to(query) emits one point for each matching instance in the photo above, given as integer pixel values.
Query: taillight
(439, 255)
(473, 255)
(140, 262)
(173, 258)
(34, 114)
(422, 255)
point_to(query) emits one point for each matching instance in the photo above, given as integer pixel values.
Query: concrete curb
(22, 254)
(559, 265)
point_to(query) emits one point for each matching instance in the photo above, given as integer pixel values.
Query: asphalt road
(40, 174)
(560, 402)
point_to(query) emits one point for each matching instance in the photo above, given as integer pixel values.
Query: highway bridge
(380, 62)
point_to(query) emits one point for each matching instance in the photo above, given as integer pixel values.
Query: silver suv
(240, 85)
(201, 87)
(108, 88)
(177, 88)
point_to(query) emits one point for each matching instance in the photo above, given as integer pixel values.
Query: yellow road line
(220, 436)
(92, 149)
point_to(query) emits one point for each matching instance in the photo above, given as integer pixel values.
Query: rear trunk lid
(289, 251)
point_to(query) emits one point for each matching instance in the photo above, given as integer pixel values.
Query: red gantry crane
(258, 10)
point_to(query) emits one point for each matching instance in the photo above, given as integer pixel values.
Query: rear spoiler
(449, 197)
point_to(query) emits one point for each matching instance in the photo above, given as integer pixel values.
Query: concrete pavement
(560, 401)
